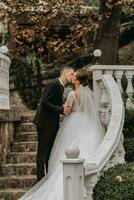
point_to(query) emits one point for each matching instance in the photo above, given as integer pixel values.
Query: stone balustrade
(111, 150)
(8, 116)
(4, 81)
(124, 76)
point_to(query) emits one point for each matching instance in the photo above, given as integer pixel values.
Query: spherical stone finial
(4, 49)
(72, 151)
(97, 52)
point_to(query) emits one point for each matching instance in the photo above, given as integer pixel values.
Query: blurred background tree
(45, 35)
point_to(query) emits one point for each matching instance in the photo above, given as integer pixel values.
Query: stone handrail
(121, 73)
(111, 151)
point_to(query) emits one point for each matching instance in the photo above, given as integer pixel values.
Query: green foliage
(128, 129)
(129, 149)
(128, 132)
(116, 184)
(28, 80)
(3, 38)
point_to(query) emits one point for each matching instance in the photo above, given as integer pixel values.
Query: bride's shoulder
(74, 94)
(71, 93)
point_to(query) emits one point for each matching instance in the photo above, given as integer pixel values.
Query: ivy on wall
(28, 80)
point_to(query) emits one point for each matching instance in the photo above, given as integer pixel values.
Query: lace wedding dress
(82, 128)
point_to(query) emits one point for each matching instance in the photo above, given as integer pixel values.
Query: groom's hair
(64, 69)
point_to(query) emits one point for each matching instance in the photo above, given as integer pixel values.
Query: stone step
(11, 194)
(18, 169)
(26, 127)
(21, 182)
(21, 157)
(27, 118)
(30, 118)
(26, 136)
(24, 147)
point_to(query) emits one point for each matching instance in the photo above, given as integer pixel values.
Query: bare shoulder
(71, 93)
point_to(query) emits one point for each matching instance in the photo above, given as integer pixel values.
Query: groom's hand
(67, 109)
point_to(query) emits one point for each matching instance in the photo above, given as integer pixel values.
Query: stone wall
(15, 100)
(7, 127)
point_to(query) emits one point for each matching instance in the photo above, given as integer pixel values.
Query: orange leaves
(40, 50)
(27, 33)
(37, 21)
(118, 3)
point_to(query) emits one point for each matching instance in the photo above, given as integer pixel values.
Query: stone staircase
(17, 175)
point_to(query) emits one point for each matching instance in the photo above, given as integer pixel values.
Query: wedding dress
(81, 128)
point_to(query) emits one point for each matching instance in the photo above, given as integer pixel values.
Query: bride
(82, 128)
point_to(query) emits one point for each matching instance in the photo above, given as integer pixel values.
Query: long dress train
(82, 128)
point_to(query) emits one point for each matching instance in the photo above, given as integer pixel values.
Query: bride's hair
(82, 76)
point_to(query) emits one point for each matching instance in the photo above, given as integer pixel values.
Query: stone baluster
(73, 175)
(4, 78)
(130, 89)
(90, 182)
(121, 151)
(118, 75)
(105, 106)
(97, 74)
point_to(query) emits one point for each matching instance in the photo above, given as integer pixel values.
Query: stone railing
(8, 116)
(4, 81)
(124, 76)
(111, 151)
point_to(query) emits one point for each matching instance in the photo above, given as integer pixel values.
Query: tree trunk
(107, 39)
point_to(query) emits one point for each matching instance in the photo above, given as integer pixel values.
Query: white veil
(85, 110)
(87, 102)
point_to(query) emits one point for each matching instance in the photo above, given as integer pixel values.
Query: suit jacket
(50, 107)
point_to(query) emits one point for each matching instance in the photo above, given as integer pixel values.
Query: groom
(47, 118)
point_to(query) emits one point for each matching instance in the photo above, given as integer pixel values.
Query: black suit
(47, 122)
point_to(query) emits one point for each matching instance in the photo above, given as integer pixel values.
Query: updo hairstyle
(82, 76)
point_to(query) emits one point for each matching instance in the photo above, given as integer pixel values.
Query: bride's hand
(67, 109)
